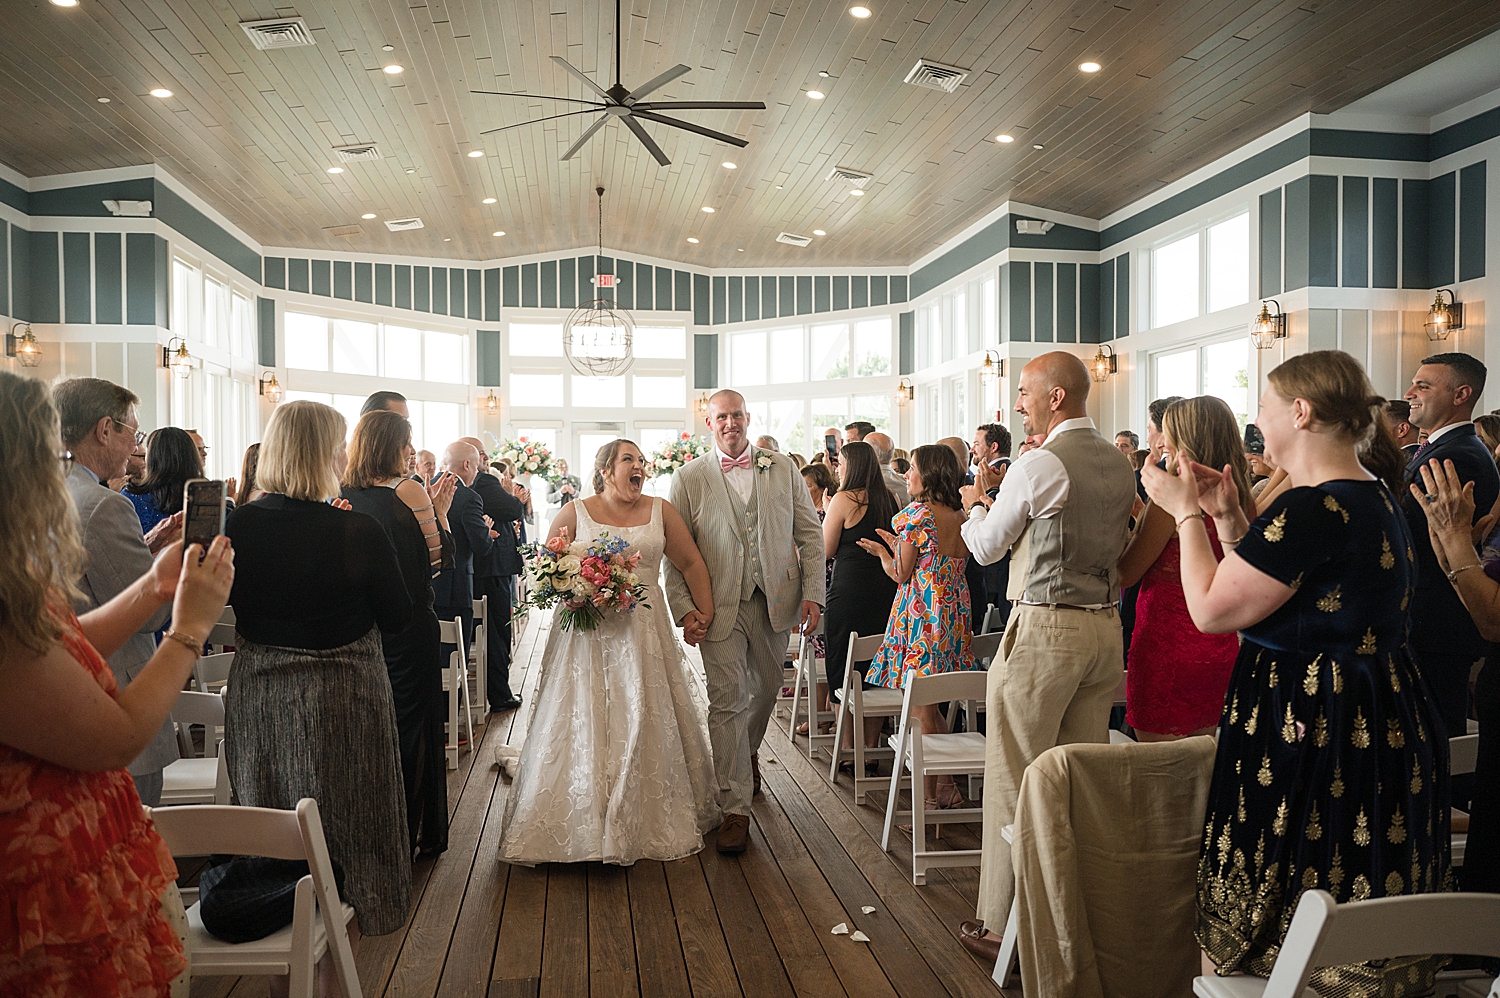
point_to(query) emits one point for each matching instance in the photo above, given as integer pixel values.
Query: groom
(756, 527)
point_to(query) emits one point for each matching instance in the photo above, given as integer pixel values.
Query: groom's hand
(694, 627)
(811, 614)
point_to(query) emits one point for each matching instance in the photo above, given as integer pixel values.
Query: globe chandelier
(598, 336)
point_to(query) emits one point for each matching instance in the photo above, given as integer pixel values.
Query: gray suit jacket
(791, 541)
(117, 555)
(897, 484)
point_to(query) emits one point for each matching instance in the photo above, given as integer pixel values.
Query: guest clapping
(171, 459)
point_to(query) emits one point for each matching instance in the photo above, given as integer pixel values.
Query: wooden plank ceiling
(1184, 81)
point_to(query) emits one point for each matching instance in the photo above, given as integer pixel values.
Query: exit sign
(604, 281)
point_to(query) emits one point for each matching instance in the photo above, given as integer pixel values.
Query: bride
(616, 765)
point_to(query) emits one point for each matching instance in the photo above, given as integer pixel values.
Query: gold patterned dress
(1329, 772)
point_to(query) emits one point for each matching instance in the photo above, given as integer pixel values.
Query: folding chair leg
(791, 725)
(1007, 961)
(838, 743)
(893, 799)
(859, 759)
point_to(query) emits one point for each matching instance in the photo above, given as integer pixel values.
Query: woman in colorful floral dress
(928, 631)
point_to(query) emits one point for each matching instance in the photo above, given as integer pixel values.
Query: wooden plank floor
(707, 926)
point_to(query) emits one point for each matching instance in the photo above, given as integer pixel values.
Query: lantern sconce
(1268, 326)
(702, 404)
(993, 367)
(1444, 316)
(905, 391)
(23, 348)
(270, 388)
(491, 404)
(1105, 363)
(177, 359)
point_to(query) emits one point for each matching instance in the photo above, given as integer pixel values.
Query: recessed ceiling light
(1037, 145)
(394, 69)
(819, 232)
(65, 3)
(740, 250)
(161, 92)
(692, 239)
(778, 187)
(411, 171)
(823, 73)
(499, 233)
(368, 214)
(488, 201)
(1005, 139)
(729, 166)
(387, 48)
(335, 169)
(856, 193)
(103, 100)
(707, 210)
(816, 95)
(1089, 67)
(859, 12)
(476, 153)
(447, 239)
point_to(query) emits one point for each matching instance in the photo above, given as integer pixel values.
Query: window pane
(534, 339)
(958, 343)
(787, 350)
(1226, 375)
(872, 347)
(536, 389)
(1175, 281)
(830, 351)
(651, 439)
(747, 358)
(243, 320)
(306, 342)
(349, 406)
(669, 342)
(989, 306)
(590, 392)
(934, 335)
(785, 422)
(445, 358)
(1176, 374)
(1229, 263)
(873, 408)
(215, 313)
(403, 351)
(324, 397)
(442, 423)
(959, 407)
(657, 392)
(353, 347)
(187, 299)
(828, 414)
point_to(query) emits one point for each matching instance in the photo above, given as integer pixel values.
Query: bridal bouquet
(676, 453)
(587, 579)
(531, 457)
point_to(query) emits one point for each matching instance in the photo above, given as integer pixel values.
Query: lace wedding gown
(616, 765)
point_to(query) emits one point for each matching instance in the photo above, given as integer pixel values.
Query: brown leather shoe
(987, 948)
(734, 835)
(755, 772)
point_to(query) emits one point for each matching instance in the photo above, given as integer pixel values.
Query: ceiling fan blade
(700, 105)
(657, 83)
(508, 93)
(565, 64)
(533, 121)
(679, 123)
(584, 138)
(646, 140)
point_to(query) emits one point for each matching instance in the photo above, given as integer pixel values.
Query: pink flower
(617, 560)
(602, 597)
(633, 560)
(558, 544)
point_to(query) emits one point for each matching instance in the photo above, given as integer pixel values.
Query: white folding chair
(295, 950)
(1005, 965)
(222, 635)
(479, 654)
(809, 673)
(1326, 934)
(855, 703)
(958, 754)
(991, 619)
(985, 647)
(211, 672)
(1463, 754)
(455, 682)
(192, 780)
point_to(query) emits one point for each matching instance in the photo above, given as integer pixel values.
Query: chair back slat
(945, 686)
(228, 617)
(199, 708)
(208, 829)
(1463, 754)
(221, 635)
(213, 670)
(986, 646)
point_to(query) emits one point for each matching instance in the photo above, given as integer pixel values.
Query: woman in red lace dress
(1176, 675)
(81, 869)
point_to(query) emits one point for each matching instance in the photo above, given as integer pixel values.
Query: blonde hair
(1206, 429)
(375, 449)
(40, 554)
(297, 454)
(1342, 398)
(1488, 428)
(605, 459)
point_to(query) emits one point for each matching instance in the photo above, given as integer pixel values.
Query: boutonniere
(763, 461)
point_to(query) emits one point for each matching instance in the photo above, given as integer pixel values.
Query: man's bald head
(462, 459)
(884, 446)
(1053, 387)
(1060, 369)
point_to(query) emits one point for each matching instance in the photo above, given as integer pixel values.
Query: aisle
(703, 927)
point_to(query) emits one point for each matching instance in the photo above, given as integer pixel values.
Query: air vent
(936, 76)
(792, 239)
(279, 33)
(402, 224)
(355, 153)
(343, 230)
(852, 177)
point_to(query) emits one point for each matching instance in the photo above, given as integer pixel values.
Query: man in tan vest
(1062, 512)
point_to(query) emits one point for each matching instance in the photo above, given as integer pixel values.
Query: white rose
(569, 564)
(581, 587)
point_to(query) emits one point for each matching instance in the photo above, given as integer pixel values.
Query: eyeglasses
(140, 436)
(67, 462)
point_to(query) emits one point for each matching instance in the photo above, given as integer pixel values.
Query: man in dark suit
(1444, 640)
(1398, 418)
(453, 589)
(991, 450)
(495, 577)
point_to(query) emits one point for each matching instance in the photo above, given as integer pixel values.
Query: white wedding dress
(616, 765)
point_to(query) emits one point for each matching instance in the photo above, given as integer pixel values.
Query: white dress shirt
(1435, 434)
(1035, 488)
(740, 479)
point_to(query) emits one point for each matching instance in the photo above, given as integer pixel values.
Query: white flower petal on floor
(868, 909)
(859, 937)
(841, 929)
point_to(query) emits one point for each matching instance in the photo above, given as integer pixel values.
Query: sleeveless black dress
(859, 596)
(414, 663)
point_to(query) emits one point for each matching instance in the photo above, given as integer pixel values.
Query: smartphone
(831, 444)
(1255, 442)
(202, 511)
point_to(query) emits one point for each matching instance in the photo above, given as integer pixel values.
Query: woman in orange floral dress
(81, 869)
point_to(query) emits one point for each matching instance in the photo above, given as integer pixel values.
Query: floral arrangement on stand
(587, 579)
(530, 457)
(676, 453)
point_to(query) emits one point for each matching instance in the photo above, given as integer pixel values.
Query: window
(435, 425)
(242, 319)
(651, 439)
(664, 342)
(747, 358)
(958, 406)
(1219, 369)
(535, 339)
(658, 391)
(1174, 290)
(589, 392)
(958, 341)
(187, 299)
(354, 347)
(989, 305)
(536, 389)
(830, 351)
(1176, 374)
(539, 434)
(872, 347)
(934, 335)
(348, 346)
(787, 350)
(216, 330)
(873, 408)
(445, 358)
(306, 341)
(1229, 263)
(828, 413)
(402, 348)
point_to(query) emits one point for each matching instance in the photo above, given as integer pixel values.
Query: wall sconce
(23, 348)
(177, 359)
(993, 367)
(1444, 316)
(1268, 327)
(492, 404)
(270, 388)
(702, 404)
(905, 391)
(1105, 363)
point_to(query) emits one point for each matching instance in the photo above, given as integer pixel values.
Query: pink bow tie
(743, 461)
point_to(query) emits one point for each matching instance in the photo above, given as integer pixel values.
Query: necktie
(743, 461)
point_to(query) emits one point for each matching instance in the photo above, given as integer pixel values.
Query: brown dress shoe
(734, 834)
(755, 772)
(987, 948)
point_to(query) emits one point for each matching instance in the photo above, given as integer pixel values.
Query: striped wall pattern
(1047, 302)
(103, 278)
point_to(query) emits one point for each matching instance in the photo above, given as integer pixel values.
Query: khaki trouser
(1052, 683)
(744, 674)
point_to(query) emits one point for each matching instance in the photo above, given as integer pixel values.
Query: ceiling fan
(628, 106)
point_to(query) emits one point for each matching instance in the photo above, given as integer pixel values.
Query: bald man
(1062, 512)
(495, 577)
(885, 449)
(453, 589)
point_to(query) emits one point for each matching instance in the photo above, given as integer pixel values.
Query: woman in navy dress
(1331, 771)
(171, 459)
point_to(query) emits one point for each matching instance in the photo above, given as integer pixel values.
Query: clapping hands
(165, 532)
(441, 493)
